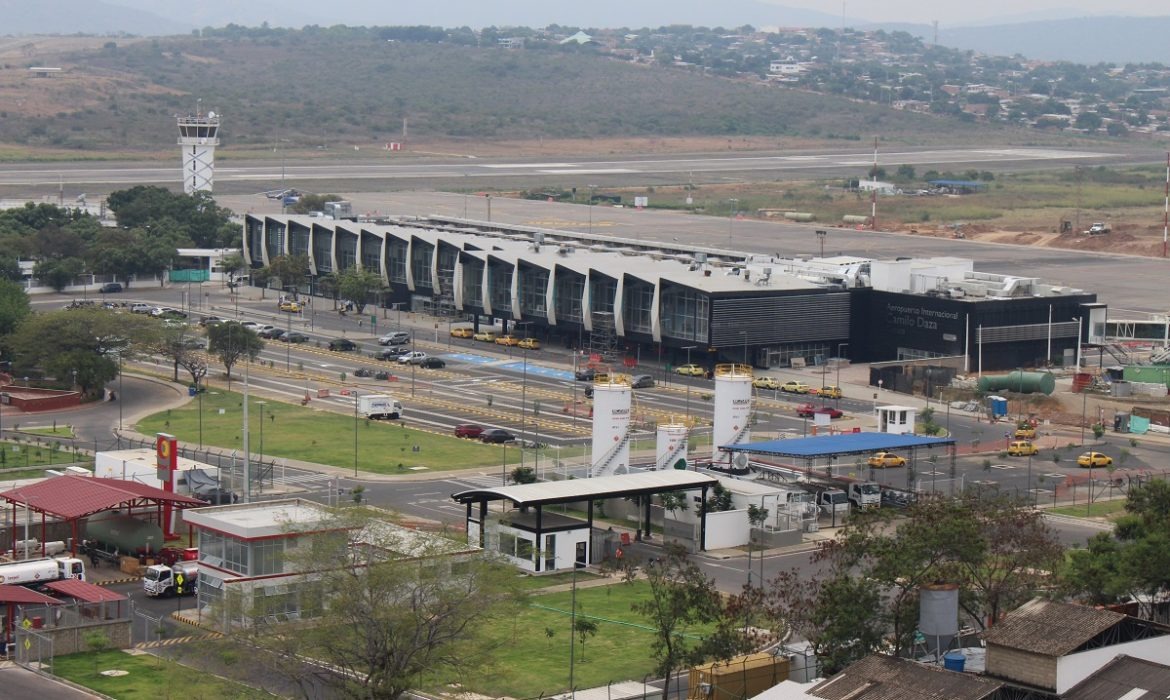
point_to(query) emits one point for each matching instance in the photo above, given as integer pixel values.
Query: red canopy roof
(20, 595)
(71, 496)
(83, 591)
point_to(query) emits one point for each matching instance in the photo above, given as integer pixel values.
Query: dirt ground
(1144, 241)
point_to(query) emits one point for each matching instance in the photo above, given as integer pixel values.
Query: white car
(395, 338)
(251, 325)
(413, 357)
(140, 308)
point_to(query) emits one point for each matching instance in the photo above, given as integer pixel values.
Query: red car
(808, 411)
(468, 430)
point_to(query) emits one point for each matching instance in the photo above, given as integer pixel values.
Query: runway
(456, 172)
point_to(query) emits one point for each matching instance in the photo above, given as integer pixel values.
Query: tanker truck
(161, 581)
(38, 571)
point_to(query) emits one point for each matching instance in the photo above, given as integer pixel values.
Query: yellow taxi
(462, 332)
(691, 370)
(1094, 459)
(881, 460)
(508, 340)
(832, 392)
(291, 307)
(529, 344)
(1025, 432)
(765, 383)
(1022, 448)
(794, 387)
(485, 336)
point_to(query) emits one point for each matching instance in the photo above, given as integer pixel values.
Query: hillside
(350, 87)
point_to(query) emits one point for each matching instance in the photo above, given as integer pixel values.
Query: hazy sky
(966, 12)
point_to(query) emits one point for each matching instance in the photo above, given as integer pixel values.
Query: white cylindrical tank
(611, 425)
(672, 446)
(733, 408)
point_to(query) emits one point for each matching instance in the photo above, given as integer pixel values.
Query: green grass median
(299, 432)
(147, 678)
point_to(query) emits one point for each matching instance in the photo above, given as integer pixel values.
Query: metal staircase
(1119, 353)
(667, 460)
(603, 466)
(1160, 358)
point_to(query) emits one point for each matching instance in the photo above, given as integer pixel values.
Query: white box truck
(379, 407)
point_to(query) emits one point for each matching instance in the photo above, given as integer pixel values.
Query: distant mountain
(82, 17)
(181, 16)
(1083, 40)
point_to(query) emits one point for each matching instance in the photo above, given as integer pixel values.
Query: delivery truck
(162, 581)
(379, 407)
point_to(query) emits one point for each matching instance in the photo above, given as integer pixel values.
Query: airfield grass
(36, 452)
(297, 432)
(1098, 509)
(148, 678)
(1034, 199)
(57, 431)
(529, 653)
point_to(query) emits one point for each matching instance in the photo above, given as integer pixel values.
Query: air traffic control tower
(198, 137)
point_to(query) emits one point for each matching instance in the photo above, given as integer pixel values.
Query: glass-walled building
(705, 304)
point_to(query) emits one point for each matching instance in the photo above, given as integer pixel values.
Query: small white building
(898, 420)
(245, 564)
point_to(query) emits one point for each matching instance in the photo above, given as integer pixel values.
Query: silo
(938, 616)
(611, 425)
(733, 408)
(672, 446)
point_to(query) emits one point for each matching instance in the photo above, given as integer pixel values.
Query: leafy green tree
(10, 269)
(328, 285)
(682, 598)
(231, 342)
(397, 608)
(14, 308)
(87, 341)
(585, 628)
(905, 173)
(358, 285)
(58, 273)
(114, 253)
(292, 270)
(193, 217)
(232, 264)
(309, 203)
(523, 475)
(178, 344)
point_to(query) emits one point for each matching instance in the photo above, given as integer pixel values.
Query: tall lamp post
(731, 218)
(523, 388)
(355, 433)
(821, 238)
(592, 190)
(840, 356)
(745, 346)
(688, 348)
(261, 404)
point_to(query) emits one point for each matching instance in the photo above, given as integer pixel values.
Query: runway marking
(524, 165)
(1003, 466)
(589, 171)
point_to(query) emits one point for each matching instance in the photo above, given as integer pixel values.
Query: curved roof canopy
(843, 443)
(618, 486)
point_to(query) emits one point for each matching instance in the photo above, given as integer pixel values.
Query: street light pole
(688, 349)
(261, 404)
(731, 219)
(355, 433)
(821, 238)
(837, 396)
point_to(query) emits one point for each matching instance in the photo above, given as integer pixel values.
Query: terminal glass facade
(346, 250)
(533, 289)
(638, 306)
(473, 284)
(396, 260)
(421, 253)
(684, 313)
(602, 291)
(298, 239)
(567, 294)
(371, 253)
(323, 250)
(500, 287)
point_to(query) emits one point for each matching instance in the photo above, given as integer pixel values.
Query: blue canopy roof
(970, 184)
(842, 443)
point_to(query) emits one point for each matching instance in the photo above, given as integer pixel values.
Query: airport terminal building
(625, 298)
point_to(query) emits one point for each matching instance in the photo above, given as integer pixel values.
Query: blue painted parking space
(548, 372)
(470, 358)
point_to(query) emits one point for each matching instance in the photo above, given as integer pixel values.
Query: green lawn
(1099, 509)
(58, 431)
(535, 583)
(526, 660)
(148, 678)
(36, 452)
(299, 432)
